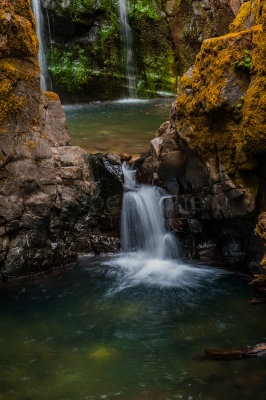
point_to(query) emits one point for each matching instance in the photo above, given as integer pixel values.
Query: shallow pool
(81, 334)
(123, 126)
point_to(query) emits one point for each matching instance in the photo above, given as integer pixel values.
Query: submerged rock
(55, 199)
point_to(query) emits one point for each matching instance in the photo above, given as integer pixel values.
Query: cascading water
(126, 37)
(150, 253)
(143, 226)
(37, 11)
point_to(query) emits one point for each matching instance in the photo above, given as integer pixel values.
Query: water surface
(110, 329)
(123, 126)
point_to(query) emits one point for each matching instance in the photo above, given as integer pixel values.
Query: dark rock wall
(56, 200)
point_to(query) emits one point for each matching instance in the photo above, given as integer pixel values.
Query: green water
(124, 126)
(75, 335)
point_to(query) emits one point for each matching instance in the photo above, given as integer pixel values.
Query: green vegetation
(245, 61)
(79, 63)
(241, 102)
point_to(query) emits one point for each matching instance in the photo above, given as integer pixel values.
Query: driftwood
(258, 300)
(259, 350)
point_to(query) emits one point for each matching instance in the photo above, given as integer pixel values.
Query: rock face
(84, 44)
(259, 283)
(211, 154)
(194, 21)
(56, 201)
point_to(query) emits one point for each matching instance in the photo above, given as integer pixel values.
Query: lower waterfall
(150, 254)
(143, 225)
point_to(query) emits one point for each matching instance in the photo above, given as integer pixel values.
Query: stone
(125, 157)
(56, 200)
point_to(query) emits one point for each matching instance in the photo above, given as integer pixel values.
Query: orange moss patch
(206, 120)
(18, 55)
(239, 22)
(19, 38)
(251, 133)
(259, 11)
(13, 71)
(51, 96)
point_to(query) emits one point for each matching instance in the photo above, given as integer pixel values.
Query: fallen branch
(259, 350)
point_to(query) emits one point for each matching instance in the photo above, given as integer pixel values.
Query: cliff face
(84, 47)
(194, 21)
(56, 201)
(211, 155)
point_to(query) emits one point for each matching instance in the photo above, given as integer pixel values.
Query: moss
(140, 9)
(20, 39)
(13, 71)
(242, 17)
(238, 134)
(69, 68)
(51, 96)
(18, 51)
(78, 66)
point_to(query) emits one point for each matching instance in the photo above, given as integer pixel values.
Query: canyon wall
(56, 200)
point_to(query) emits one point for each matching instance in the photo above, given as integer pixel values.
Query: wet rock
(134, 158)
(195, 21)
(125, 157)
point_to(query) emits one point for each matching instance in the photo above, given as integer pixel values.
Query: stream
(80, 334)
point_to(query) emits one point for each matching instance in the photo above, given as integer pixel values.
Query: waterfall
(127, 41)
(37, 11)
(150, 253)
(143, 225)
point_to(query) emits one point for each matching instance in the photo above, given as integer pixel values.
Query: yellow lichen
(239, 22)
(30, 146)
(18, 57)
(206, 120)
(51, 96)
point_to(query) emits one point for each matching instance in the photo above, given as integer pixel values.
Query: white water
(150, 254)
(143, 226)
(127, 42)
(37, 11)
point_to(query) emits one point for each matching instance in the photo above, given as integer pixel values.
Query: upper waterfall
(37, 11)
(127, 41)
